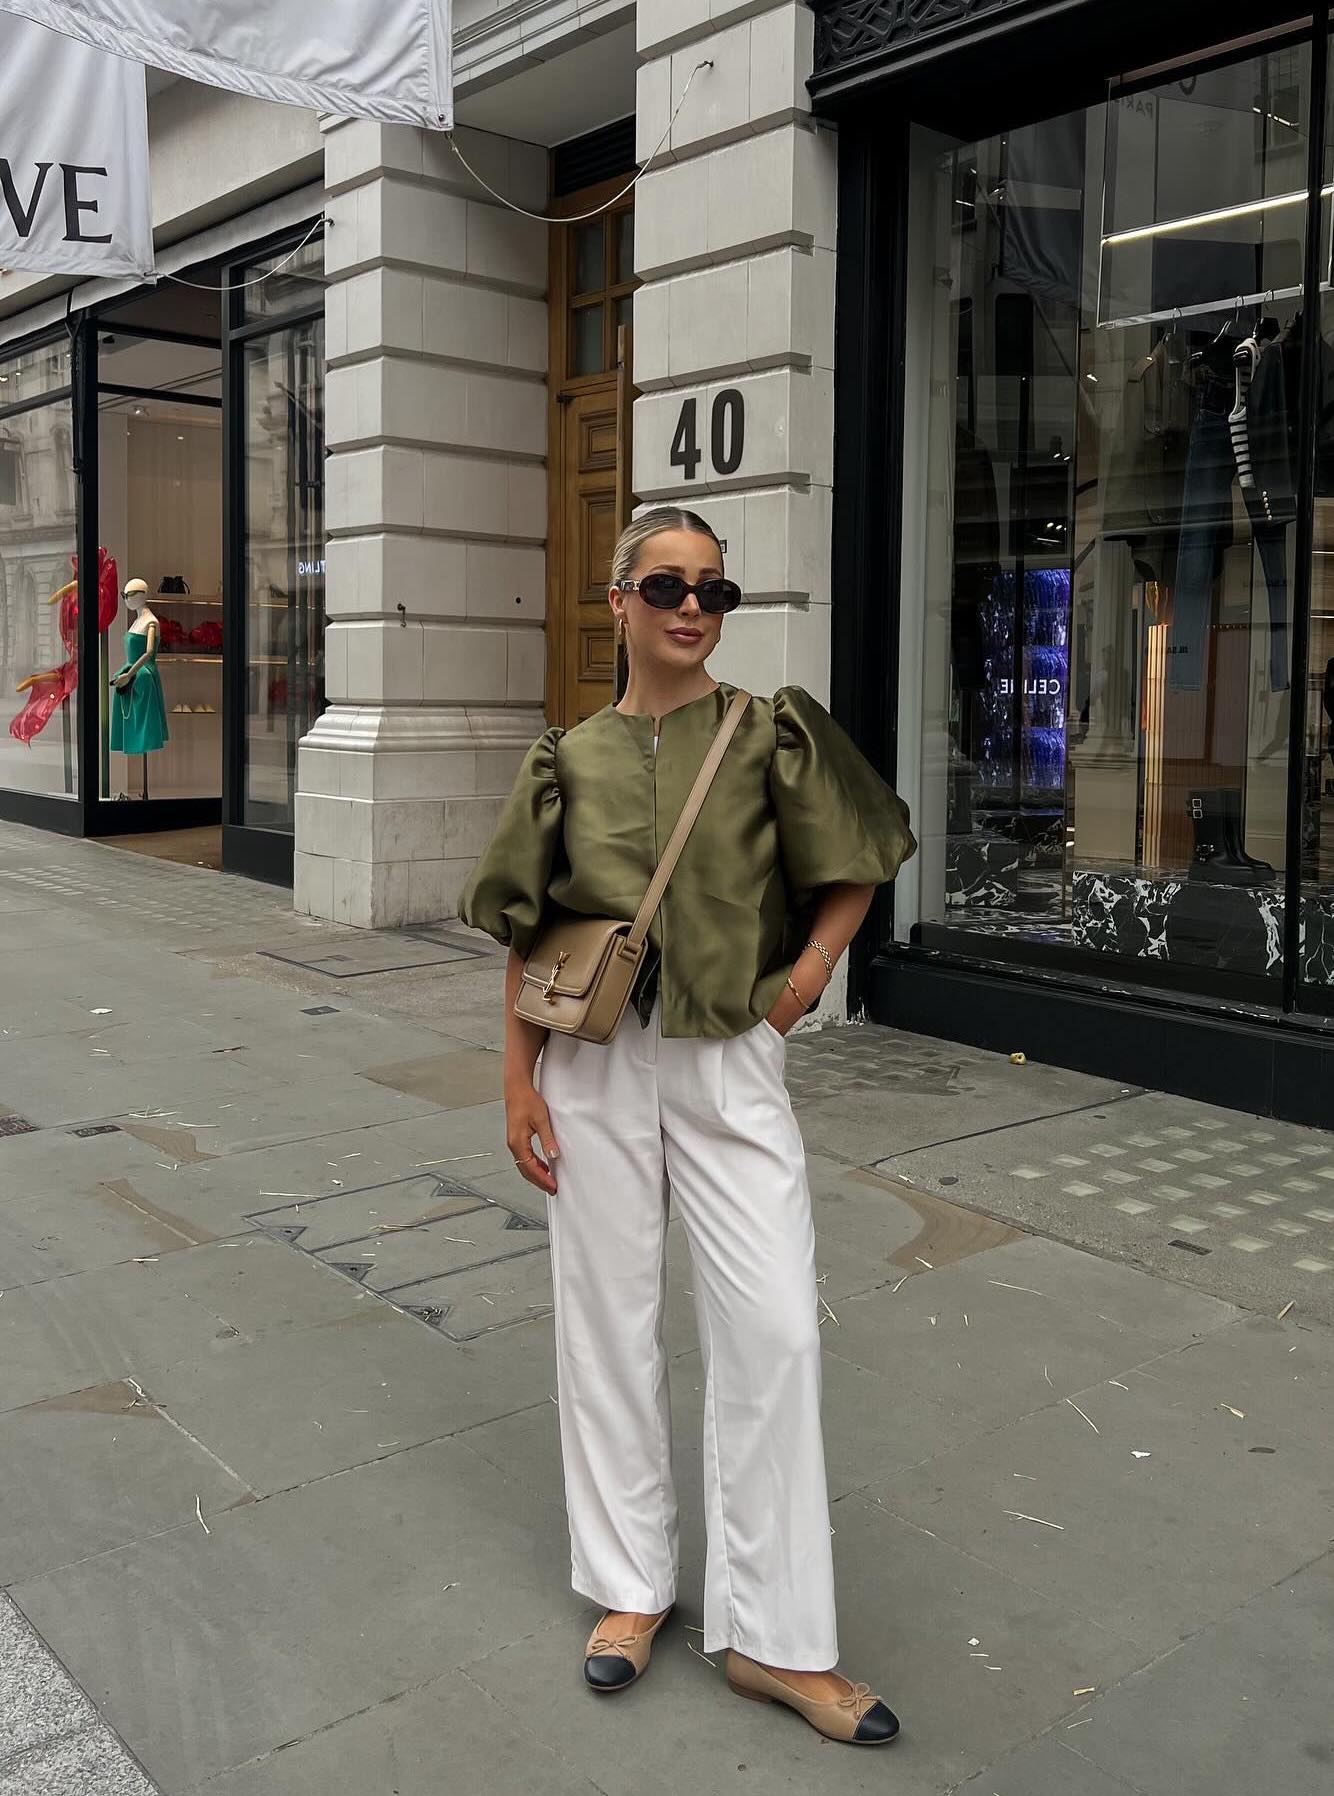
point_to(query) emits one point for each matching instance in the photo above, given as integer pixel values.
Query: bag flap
(569, 953)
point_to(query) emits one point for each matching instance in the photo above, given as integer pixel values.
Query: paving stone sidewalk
(281, 1506)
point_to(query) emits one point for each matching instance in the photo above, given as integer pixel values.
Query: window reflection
(588, 332)
(283, 388)
(1316, 784)
(1112, 369)
(38, 608)
(284, 283)
(590, 274)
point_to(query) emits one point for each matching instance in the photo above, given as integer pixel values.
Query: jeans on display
(1206, 520)
(1271, 540)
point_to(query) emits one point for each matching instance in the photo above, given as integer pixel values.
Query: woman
(796, 832)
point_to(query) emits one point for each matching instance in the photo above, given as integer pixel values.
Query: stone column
(436, 427)
(734, 325)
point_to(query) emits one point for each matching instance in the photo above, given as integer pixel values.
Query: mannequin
(138, 709)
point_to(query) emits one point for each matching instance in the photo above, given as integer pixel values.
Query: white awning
(380, 59)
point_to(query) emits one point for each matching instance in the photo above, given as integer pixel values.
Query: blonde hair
(637, 533)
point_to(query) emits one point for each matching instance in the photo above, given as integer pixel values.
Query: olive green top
(794, 806)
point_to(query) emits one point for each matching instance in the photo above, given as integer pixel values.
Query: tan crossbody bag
(579, 976)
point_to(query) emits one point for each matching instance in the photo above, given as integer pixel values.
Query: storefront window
(38, 600)
(276, 328)
(206, 461)
(33, 372)
(1105, 352)
(284, 283)
(283, 398)
(1316, 774)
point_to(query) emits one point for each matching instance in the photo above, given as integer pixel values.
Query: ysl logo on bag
(548, 990)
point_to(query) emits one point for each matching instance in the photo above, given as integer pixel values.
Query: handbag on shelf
(578, 978)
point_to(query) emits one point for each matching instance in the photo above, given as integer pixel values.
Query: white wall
(734, 241)
(436, 426)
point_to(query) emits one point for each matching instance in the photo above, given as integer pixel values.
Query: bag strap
(686, 821)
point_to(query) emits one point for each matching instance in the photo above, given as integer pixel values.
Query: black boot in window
(1232, 832)
(1216, 862)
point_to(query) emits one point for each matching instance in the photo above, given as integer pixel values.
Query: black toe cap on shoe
(608, 1671)
(877, 1726)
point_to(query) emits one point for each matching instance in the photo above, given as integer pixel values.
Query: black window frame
(246, 847)
(65, 814)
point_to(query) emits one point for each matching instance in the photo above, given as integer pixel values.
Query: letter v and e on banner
(74, 172)
(74, 193)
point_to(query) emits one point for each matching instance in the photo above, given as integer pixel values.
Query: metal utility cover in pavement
(439, 1251)
(383, 951)
(16, 1125)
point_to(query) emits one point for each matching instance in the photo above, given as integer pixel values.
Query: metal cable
(615, 200)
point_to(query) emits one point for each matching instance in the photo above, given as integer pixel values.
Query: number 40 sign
(727, 435)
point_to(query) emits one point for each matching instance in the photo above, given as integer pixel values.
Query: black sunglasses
(665, 592)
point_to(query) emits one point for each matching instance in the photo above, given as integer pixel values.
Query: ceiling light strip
(1221, 215)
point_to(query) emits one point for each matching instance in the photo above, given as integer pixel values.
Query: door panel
(597, 438)
(590, 535)
(592, 281)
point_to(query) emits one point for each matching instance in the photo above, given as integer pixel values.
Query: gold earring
(620, 631)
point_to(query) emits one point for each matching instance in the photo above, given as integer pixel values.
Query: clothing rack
(1110, 239)
(1235, 302)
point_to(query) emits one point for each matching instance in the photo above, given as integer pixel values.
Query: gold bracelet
(824, 954)
(796, 994)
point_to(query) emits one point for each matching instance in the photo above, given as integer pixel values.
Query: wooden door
(592, 284)
(589, 529)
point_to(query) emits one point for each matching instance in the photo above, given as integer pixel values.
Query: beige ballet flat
(613, 1662)
(857, 1717)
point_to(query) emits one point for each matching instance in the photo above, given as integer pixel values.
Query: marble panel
(1171, 917)
(981, 870)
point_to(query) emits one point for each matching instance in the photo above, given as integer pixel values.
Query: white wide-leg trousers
(709, 1121)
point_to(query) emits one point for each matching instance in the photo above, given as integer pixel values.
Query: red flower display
(48, 691)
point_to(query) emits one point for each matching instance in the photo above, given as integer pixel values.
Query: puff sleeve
(838, 822)
(508, 887)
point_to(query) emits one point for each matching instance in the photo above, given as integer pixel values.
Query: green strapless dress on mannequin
(139, 714)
